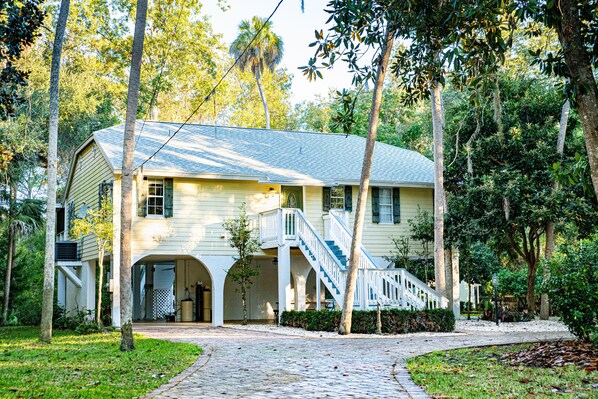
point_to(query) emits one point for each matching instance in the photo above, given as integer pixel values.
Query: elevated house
(299, 189)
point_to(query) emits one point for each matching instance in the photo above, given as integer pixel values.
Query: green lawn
(479, 373)
(86, 366)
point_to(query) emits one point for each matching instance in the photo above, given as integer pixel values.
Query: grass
(86, 366)
(479, 373)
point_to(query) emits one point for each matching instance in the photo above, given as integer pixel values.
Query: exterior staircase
(395, 288)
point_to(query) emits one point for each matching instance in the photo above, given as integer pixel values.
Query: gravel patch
(527, 326)
(462, 327)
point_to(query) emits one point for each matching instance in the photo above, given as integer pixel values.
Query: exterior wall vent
(66, 251)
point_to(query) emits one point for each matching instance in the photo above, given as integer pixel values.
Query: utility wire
(159, 81)
(213, 89)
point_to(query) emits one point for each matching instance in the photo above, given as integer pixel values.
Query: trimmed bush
(394, 321)
(573, 287)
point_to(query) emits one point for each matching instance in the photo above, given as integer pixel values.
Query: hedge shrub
(394, 321)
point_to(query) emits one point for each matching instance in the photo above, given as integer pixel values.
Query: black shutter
(375, 205)
(142, 199)
(348, 198)
(396, 205)
(326, 199)
(168, 197)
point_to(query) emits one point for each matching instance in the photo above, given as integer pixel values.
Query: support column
(318, 291)
(218, 267)
(87, 293)
(284, 277)
(115, 258)
(456, 295)
(115, 279)
(61, 288)
(300, 271)
(136, 291)
(300, 284)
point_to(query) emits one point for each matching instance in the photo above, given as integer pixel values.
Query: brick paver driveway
(248, 364)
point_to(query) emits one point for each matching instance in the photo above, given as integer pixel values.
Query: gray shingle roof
(265, 155)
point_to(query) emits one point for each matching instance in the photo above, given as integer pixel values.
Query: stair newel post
(403, 288)
(364, 291)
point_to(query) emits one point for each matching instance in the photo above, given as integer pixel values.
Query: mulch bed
(556, 354)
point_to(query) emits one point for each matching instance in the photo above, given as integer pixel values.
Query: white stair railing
(342, 236)
(390, 287)
(320, 256)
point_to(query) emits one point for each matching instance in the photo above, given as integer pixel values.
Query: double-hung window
(337, 197)
(155, 196)
(386, 205)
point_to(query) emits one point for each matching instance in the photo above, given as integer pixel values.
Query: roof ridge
(254, 128)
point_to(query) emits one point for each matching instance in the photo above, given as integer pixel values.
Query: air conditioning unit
(66, 251)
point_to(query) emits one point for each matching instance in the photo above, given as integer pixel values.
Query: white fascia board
(212, 176)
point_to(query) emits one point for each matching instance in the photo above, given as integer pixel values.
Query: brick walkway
(249, 364)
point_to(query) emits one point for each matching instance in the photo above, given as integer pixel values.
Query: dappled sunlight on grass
(86, 366)
(481, 373)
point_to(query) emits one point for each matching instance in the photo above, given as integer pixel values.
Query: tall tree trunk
(345, 324)
(448, 272)
(258, 79)
(439, 197)
(549, 247)
(126, 310)
(48, 292)
(530, 297)
(244, 300)
(11, 252)
(100, 284)
(582, 79)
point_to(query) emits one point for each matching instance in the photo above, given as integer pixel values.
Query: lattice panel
(163, 303)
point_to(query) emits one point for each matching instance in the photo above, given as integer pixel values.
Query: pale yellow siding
(377, 237)
(200, 208)
(313, 207)
(89, 171)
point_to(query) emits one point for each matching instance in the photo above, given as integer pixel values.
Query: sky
(295, 28)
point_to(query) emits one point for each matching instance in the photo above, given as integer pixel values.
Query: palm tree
(257, 47)
(22, 218)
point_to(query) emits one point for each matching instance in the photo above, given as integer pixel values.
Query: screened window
(337, 197)
(155, 196)
(386, 205)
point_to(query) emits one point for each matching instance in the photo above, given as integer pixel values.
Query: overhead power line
(159, 78)
(213, 90)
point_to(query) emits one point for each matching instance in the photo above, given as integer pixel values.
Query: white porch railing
(390, 287)
(272, 228)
